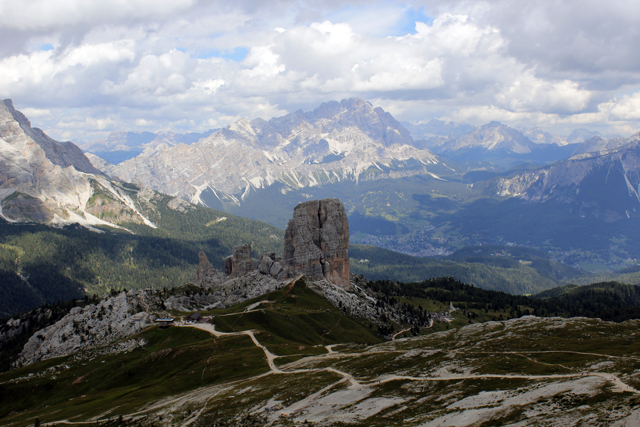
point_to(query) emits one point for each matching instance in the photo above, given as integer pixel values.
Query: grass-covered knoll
(505, 274)
(61, 264)
(174, 360)
(295, 320)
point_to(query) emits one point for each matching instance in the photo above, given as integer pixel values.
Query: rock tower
(316, 242)
(240, 263)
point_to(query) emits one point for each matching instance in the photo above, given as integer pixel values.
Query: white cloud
(47, 14)
(529, 93)
(628, 108)
(163, 63)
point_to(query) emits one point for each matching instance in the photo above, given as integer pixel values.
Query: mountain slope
(347, 140)
(516, 274)
(120, 146)
(47, 181)
(41, 264)
(604, 185)
(501, 145)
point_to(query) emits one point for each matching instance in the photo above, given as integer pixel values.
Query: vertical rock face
(240, 263)
(316, 242)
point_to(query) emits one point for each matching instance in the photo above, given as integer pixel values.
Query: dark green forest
(610, 301)
(41, 264)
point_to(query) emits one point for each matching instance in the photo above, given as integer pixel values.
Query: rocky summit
(47, 181)
(317, 241)
(349, 140)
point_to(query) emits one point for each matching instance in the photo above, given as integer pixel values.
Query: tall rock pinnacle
(316, 242)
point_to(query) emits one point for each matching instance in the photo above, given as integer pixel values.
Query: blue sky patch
(407, 24)
(238, 54)
(46, 46)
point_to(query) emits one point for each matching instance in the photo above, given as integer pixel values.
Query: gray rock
(265, 263)
(278, 271)
(240, 263)
(316, 241)
(112, 319)
(206, 273)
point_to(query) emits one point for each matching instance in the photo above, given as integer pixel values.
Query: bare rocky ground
(518, 372)
(522, 372)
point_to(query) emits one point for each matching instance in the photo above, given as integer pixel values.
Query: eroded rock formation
(240, 263)
(316, 242)
(206, 274)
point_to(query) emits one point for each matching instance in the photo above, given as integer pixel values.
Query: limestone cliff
(317, 241)
(53, 182)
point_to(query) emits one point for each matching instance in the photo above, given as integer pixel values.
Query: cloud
(182, 63)
(529, 93)
(628, 108)
(49, 15)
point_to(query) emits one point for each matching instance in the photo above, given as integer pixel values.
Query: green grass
(175, 360)
(297, 317)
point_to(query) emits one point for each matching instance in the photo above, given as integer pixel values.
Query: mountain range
(120, 146)
(398, 195)
(339, 141)
(346, 141)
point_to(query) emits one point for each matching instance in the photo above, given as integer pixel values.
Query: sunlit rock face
(47, 181)
(338, 141)
(317, 241)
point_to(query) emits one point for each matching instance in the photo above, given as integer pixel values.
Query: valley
(319, 213)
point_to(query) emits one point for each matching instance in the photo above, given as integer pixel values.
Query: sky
(80, 69)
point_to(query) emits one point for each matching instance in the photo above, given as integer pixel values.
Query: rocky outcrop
(240, 263)
(271, 266)
(112, 319)
(317, 242)
(206, 274)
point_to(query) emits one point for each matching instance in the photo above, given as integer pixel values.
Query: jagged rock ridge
(347, 140)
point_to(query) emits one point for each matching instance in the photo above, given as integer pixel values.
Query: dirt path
(401, 332)
(205, 394)
(270, 356)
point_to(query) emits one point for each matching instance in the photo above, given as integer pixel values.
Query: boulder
(265, 263)
(316, 242)
(278, 272)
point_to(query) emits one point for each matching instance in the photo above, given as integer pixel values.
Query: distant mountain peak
(339, 140)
